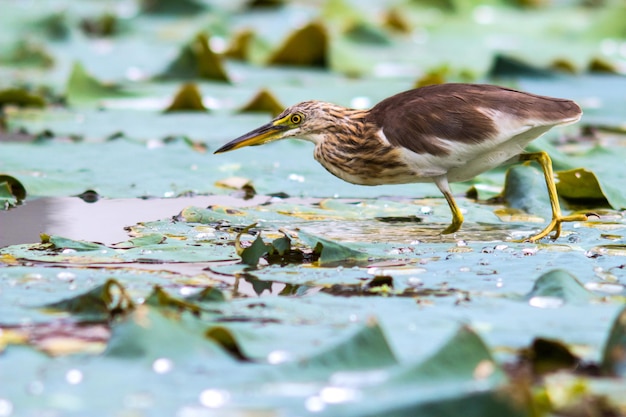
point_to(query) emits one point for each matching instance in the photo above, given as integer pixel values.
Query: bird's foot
(454, 227)
(555, 226)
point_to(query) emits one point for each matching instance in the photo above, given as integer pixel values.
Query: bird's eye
(296, 118)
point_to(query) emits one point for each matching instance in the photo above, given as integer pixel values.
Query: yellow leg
(457, 216)
(544, 160)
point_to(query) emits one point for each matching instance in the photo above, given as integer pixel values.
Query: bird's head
(307, 120)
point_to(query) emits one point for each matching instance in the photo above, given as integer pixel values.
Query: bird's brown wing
(418, 119)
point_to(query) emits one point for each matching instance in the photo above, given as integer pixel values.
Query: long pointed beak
(263, 134)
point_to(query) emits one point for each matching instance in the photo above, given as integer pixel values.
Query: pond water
(103, 221)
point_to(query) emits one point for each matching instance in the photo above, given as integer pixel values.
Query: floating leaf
(239, 47)
(614, 355)
(105, 25)
(188, 98)
(101, 303)
(366, 348)
(396, 21)
(60, 242)
(559, 284)
(463, 357)
(172, 7)
(160, 298)
(331, 252)
(525, 189)
(12, 192)
(307, 46)
(546, 356)
(197, 60)
(506, 67)
(82, 86)
(147, 335)
(263, 101)
(223, 337)
(20, 97)
(579, 184)
(28, 54)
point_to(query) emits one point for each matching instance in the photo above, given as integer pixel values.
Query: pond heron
(439, 133)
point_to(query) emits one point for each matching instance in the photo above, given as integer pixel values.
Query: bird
(437, 134)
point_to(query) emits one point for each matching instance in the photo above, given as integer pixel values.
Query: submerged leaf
(307, 46)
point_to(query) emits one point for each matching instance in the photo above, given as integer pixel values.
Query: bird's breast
(364, 165)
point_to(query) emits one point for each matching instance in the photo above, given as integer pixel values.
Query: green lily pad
(614, 355)
(559, 284)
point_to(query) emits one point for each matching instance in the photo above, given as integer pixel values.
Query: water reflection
(103, 221)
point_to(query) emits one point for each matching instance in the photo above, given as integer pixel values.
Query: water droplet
(162, 365)
(605, 287)
(414, 282)
(185, 291)
(280, 356)
(337, 395)
(68, 251)
(214, 398)
(74, 376)
(6, 407)
(66, 276)
(33, 276)
(314, 404)
(296, 178)
(546, 302)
